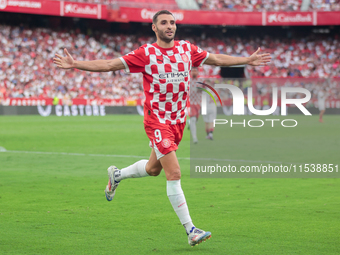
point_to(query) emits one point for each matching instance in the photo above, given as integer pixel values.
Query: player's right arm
(68, 62)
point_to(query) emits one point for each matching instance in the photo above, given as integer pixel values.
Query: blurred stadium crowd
(226, 5)
(268, 5)
(23, 50)
(250, 5)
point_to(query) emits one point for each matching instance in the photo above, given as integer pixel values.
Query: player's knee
(174, 175)
(154, 171)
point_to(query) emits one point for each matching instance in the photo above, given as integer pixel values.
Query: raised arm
(224, 60)
(68, 62)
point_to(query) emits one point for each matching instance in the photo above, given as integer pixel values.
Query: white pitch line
(75, 154)
(136, 156)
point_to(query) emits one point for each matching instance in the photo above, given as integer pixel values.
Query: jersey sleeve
(134, 61)
(198, 56)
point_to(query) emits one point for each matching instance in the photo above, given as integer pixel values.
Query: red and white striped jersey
(166, 78)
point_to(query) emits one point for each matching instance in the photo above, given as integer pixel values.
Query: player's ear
(153, 27)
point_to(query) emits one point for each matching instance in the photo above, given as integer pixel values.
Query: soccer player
(165, 66)
(195, 103)
(322, 103)
(209, 117)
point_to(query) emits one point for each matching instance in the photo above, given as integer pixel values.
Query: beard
(163, 37)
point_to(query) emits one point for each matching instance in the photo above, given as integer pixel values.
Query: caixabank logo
(238, 106)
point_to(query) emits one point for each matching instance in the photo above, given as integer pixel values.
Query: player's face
(165, 28)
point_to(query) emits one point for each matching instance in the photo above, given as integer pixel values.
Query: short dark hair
(154, 19)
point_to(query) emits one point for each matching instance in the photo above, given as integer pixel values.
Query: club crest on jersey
(166, 143)
(185, 58)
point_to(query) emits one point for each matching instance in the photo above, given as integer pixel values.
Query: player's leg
(135, 170)
(321, 115)
(209, 121)
(141, 168)
(212, 119)
(153, 167)
(193, 129)
(174, 190)
(208, 128)
(194, 110)
(177, 199)
(211, 129)
(206, 124)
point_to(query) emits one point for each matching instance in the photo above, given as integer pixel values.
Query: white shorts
(322, 107)
(211, 114)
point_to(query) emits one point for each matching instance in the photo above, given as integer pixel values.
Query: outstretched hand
(64, 62)
(259, 59)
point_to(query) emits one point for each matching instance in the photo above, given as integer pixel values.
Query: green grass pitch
(54, 202)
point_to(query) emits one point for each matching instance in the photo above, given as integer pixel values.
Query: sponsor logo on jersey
(174, 75)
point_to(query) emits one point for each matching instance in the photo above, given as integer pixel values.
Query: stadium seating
(325, 5)
(153, 4)
(24, 50)
(250, 6)
(224, 5)
(106, 2)
(267, 5)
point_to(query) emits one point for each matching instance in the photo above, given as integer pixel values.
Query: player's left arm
(255, 59)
